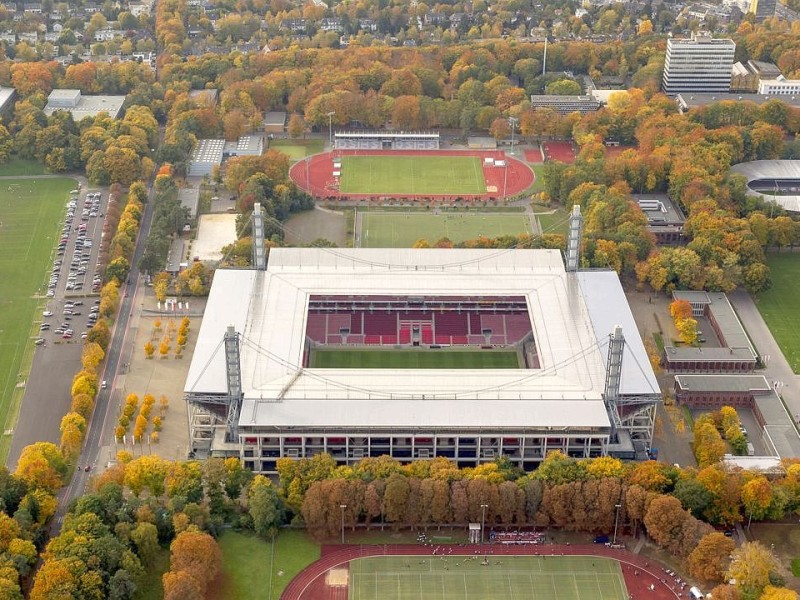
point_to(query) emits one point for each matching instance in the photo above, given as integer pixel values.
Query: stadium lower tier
(259, 452)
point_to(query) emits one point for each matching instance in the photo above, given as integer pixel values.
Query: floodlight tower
(259, 241)
(573, 253)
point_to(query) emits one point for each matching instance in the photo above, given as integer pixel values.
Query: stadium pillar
(483, 519)
(616, 523)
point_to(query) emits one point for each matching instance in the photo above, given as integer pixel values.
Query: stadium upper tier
(571, 317)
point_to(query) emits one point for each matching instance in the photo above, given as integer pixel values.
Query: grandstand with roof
(570, 385)
(386, 140)
(773, 180)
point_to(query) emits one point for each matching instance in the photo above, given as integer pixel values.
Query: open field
(297, 149)
(305, 227)
(540, 577)
(451, 175)
(538, 182)
(778, 305)
(380, 358)
(401, 230)
(31, 212)
(556, 221)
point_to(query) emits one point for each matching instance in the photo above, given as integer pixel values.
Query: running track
(309, 583)
(314, 173)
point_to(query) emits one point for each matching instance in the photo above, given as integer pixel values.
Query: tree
(197, 554)
(751, 567)
(145, 536)
(687, 330)
(264, 506)
(41, 465)
(757, 497)
(709, 561)
(180, 585)
(776, 593)
(149, 350)
(500, 129)
(664, 521)
(680, 309)
(296, 126)
(564, 87)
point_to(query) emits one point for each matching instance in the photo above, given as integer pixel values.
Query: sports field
(417, 175)
(31, 213)
(778, 305)
(401, 230)
(379, 358)
(538, 577)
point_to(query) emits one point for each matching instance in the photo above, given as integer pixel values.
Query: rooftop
(688, 101)
(724, 383)
(190, 198)
(661, 212)
(737, 344)
(208, 152)
(275, 118)
(269, 310)
(83, 106)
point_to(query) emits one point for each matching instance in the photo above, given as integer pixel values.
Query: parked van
(695, 594)
(751, 451)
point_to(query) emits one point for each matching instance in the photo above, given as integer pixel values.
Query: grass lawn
(401, 230)
(152, 588)
(246, 561)
(538, 182)
(778, 305)
(451, 175)
(415, 359)
(554, 222)
(298, 149)
(31, 214)
(540, 577)
(21, 166)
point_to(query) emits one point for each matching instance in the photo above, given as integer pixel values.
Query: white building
(83, 106)
(555, 399)
(700, 64)
(779, 87)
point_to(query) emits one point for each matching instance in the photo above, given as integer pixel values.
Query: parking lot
(71, 311)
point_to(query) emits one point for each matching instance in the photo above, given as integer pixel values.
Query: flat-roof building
(247, 145)
(735, 352)
(7, 96)
(275, 122)
(699, 64)
(83, 106)
(778, 433)
(190, 200)
(665, 219)
(779, 87)
(558, 400)
(206, 155)
(566, 104)
(687, 102)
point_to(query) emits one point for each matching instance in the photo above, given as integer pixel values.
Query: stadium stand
(386, 140)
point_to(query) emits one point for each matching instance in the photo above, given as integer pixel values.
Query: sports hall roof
(269, 309)
(783, 171)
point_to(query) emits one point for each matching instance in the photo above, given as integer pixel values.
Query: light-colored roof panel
(426, 413)
(602, 290)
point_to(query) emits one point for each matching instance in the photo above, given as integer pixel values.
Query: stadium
(773, 180)
(384, 165)
(466, 354)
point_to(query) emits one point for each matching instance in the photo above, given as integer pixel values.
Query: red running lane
(639, 573)
(315, 173)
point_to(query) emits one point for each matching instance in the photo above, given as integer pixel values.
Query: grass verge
(298, 149)
(556, 221)
(778, 305)
(152, 588)
(21, 166)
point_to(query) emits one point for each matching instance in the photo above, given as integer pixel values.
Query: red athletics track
(638, 573)
(315, 173)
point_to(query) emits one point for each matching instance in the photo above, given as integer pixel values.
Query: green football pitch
(31, 212)
(420, 175)
(401, 230)
(414, 359)
(462, 578)
(778, 305)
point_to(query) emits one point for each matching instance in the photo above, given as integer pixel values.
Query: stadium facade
(578, 389)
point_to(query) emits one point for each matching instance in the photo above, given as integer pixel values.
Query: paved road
(114, 360)
(777, 368)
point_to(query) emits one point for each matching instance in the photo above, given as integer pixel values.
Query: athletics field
(413, 175)
(478, 578)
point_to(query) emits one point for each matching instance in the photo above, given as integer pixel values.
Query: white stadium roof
(269, 310)
(786, 170)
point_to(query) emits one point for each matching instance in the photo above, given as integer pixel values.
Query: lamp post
(616, 523)
(483, 519)
(330, 127)
(343, 506)
(513, 122)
